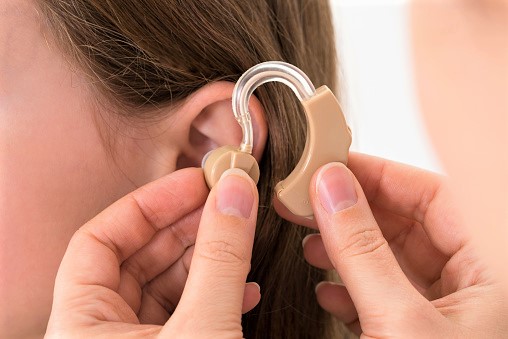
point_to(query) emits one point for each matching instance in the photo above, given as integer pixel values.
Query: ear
(206, 121)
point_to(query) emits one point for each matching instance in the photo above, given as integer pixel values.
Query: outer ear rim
(202, 102)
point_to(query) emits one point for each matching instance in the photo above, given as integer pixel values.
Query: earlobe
(208, 121)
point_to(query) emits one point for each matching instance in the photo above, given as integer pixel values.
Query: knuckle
(363, 242)
(225, 252)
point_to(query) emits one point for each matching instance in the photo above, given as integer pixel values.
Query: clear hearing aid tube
(258, 75)
(328, 136)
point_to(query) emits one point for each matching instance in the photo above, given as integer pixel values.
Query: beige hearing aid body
(328, 140)
(328, 136)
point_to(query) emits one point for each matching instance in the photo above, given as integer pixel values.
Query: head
(99, 97)
(461, 58)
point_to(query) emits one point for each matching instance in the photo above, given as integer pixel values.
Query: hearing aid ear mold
(328, 136)
(220, 160)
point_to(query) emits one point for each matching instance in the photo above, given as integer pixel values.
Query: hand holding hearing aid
(407, 265)
(410, 284)
(127, 277)
(124, 273)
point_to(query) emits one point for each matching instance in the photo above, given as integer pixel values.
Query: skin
(461, 71)
(139, 241)
(57, 172)
(407, 263)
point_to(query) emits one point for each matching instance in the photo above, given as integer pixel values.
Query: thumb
(214, 292)
(355, 244)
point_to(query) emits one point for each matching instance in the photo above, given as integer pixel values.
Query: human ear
(206, 122)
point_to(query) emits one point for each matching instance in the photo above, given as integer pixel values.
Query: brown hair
(145, 54)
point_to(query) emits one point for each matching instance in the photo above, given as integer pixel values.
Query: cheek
(461, 69)
(54, 176)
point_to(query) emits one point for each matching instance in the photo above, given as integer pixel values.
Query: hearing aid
(328, 135)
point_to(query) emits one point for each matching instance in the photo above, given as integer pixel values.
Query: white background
(378, 96)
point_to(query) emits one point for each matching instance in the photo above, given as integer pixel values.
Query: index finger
(402, 189)
(411, 193)
(101, 245)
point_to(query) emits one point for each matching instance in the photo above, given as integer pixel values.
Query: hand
(129, 264)
(407, 266)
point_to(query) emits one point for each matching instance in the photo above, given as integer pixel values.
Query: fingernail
(331, 283)
(307, 237)
(255, 284)
(336, 189)
(234, 194)
(319, 284)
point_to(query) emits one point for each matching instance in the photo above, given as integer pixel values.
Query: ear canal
(218, 161)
